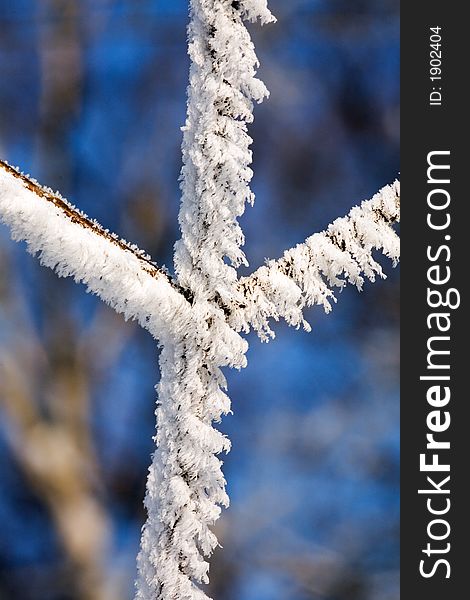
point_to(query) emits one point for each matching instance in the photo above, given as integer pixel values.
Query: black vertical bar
(434, 119)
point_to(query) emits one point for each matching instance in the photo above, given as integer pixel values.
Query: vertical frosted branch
(186, 487)
(215, 179)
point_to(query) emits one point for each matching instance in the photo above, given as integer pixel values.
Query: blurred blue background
(92, 96)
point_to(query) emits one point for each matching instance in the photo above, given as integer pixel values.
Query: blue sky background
(92, 98)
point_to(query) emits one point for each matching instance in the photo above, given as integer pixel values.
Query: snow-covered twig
(186, 486)
(73, 245)
(306, 274)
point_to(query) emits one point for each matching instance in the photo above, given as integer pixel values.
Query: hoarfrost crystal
(198, 316)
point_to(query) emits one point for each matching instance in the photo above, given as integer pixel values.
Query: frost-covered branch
(306, 274)
(216, 174)
(67, 241)
(186, 487)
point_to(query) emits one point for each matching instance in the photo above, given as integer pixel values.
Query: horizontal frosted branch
(69, 242)
(306, 274)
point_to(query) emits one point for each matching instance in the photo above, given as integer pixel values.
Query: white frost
(186, 486)
(215, 179)
(122, 278)
(305, 274)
